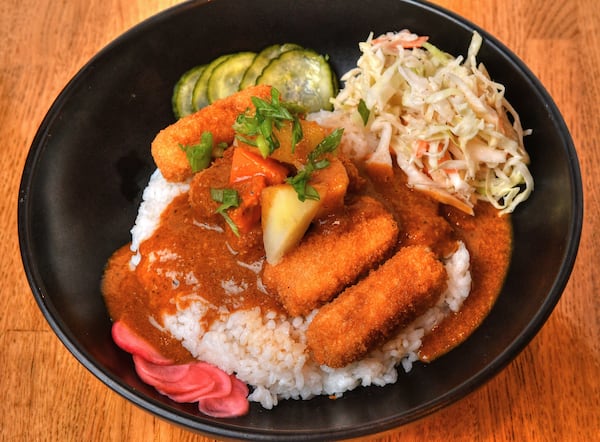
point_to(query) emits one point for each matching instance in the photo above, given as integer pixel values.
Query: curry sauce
(194, 254)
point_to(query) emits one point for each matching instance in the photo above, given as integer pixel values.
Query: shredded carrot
(387, 42)
(447, 157)
(417, 43)
(423, 148)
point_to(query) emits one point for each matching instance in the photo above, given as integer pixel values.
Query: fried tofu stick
(328, 259)
(218, 119)
(367, 313)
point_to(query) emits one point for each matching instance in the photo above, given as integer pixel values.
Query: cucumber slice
(225, 77)
(200, 93)
(263, 58)
(302, 76)
(182, 92)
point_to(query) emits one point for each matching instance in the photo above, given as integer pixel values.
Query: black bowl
(90, 160)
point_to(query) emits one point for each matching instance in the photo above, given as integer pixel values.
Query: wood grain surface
(551, 392)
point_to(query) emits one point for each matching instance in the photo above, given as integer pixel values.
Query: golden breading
(418, 215)
(332, 255)
(218, 119)
(367, 313)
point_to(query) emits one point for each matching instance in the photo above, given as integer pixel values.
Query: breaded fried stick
(218, 119)
(367, 313)
(329, 258)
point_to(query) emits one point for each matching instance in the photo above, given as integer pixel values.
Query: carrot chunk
(247, 215)
(246, 164)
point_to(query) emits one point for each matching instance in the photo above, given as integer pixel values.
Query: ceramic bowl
(82, 184)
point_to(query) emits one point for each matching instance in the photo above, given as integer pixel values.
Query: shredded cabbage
(448, 124)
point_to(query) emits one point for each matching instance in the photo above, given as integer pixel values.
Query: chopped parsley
(219, 150)
(257, 130)
(315, 162)
(229, 198)
(363, 111)
(199, 155)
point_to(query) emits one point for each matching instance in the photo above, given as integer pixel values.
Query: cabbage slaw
(446, 122)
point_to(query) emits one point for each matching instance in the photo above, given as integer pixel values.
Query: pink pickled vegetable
(235, 404)
(125, 338)
(218, 394)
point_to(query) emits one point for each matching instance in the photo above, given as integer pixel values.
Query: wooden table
(550, 392)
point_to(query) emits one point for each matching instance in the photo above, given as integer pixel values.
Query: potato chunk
(284, 219)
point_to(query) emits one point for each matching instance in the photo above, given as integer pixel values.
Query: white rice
(267, 350)
(157, 195)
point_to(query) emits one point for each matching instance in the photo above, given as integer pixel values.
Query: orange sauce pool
(189, 255)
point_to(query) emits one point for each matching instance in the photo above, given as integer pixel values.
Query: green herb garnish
(257, 130)
(219, 150)
(363, 111)
(315, 162)
(229, 198)
(199, 155)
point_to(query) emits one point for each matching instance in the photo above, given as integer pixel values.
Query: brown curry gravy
(216, 260)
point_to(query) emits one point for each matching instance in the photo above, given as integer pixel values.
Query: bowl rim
(228, 429)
